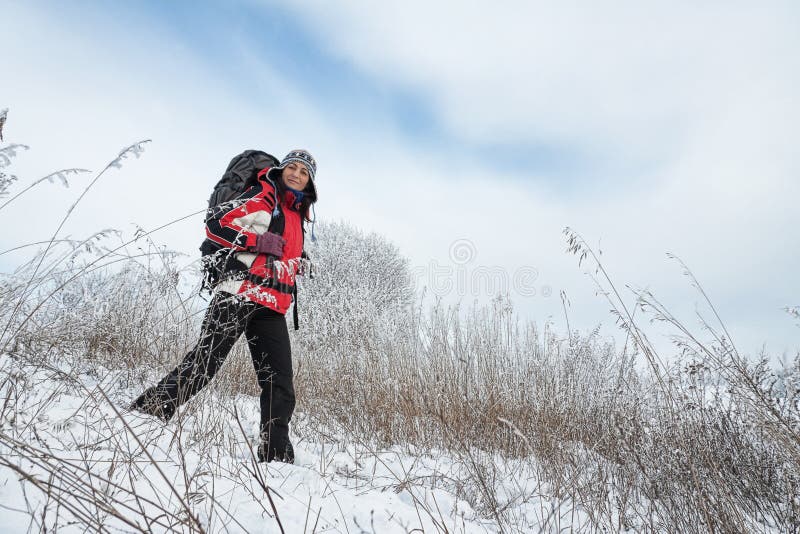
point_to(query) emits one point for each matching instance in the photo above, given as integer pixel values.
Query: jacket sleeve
(222, 221)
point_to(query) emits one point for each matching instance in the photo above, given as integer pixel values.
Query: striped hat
(304, 157)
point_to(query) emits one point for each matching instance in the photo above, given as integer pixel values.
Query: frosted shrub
(361, 288)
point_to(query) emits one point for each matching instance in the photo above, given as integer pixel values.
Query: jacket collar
(293, 198)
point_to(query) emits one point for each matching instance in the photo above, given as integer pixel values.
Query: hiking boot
(284, 452)
(151, 404)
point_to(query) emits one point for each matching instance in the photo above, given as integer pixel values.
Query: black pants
(226, 319)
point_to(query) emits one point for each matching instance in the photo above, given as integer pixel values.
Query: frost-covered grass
(409, 417)
(544, 429)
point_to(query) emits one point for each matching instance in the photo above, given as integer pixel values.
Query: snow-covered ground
(69, 450)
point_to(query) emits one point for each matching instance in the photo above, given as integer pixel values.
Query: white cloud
(618, 77)
(698, 98)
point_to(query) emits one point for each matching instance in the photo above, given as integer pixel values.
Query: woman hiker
(252, 299)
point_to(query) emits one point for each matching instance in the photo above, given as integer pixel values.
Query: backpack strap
(294, 312)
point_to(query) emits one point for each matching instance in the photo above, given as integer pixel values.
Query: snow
(65, 427)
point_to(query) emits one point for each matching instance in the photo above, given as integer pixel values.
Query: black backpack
(241, 174)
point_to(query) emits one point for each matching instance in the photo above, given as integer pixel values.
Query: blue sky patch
(216, 32)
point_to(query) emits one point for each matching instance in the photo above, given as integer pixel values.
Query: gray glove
(269, 243)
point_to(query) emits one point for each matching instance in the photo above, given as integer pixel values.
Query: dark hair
(308, 199)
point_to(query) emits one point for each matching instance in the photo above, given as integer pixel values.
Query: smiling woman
(260, 233)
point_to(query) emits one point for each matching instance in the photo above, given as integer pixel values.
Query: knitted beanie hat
(301, 156)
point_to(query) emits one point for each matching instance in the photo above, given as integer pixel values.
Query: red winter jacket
(269, 281)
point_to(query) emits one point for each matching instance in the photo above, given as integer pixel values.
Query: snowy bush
(359, 290)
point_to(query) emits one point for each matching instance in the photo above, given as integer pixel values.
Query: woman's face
(295, 175)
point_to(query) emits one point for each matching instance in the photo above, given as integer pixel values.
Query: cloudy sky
(468, 133)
